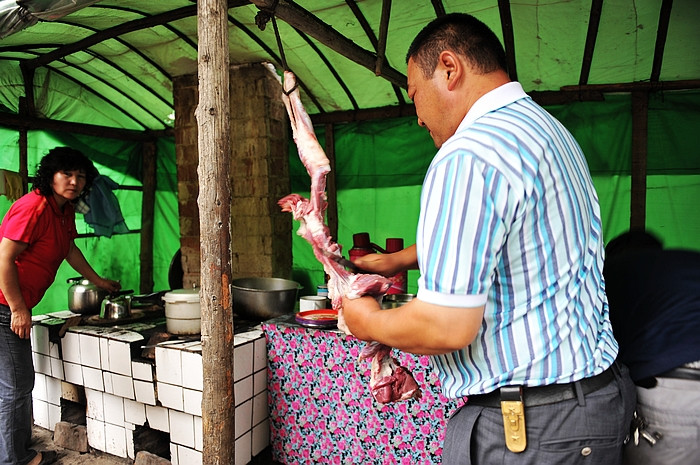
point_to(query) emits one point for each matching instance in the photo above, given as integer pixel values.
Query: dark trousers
(590, 430)
(16, 384)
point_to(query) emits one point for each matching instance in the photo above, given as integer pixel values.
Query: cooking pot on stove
(84, 297)
(116, 307)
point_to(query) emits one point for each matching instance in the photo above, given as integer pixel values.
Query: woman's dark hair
(63, 159)
(460, 33)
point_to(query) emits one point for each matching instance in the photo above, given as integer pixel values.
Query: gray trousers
(671, 408)
(587, 431)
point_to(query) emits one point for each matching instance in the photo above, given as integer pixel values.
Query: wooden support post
(148, 170)
(331, 190)
(638, 202)
(214, 201)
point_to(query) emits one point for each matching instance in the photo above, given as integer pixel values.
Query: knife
(340, 260)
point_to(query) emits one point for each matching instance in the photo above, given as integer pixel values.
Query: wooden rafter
(383, 31)
(333, 71)
(508, 38)
(438, 7)
(591, 37)
(301, 19)
(372, 39)
(126, 44)
(662, 32)
(369, 32)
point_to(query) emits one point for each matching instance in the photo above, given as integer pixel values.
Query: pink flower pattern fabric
(321, 410)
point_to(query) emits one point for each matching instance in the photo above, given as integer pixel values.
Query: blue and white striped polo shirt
(510, 220)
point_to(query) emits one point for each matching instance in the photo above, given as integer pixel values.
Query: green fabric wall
(380, 166)
(116, 257)
(379, 170)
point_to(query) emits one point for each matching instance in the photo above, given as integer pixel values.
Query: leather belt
(552, 393)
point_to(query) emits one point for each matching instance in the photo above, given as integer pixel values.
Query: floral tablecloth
(321, 410)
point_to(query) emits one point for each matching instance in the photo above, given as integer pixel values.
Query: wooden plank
(148, 170)
(214, 201)
(638, 201)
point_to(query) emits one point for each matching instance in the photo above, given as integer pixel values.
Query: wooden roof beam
(383, 31)
(20, 122)
(662, 32)
(591, 37)
(124, 28)
(438, 7)
(508, 37)
(306, 22)
(352, 4)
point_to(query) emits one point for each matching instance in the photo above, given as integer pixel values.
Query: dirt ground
(43, 440)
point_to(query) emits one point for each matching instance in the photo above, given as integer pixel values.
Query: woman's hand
(108, 284)
(21, 323)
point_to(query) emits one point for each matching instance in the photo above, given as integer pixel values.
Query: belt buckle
(513, 410)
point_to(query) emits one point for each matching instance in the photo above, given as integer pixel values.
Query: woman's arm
(21, 321)
(77, 260)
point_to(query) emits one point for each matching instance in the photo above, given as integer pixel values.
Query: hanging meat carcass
(389, 381)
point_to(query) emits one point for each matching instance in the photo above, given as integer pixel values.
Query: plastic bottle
(398, 281)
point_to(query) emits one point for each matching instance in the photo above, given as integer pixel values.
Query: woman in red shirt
(36, 235)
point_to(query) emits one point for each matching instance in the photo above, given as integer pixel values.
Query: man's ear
(451, 68)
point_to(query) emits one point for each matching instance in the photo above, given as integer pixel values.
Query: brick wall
(260, 232)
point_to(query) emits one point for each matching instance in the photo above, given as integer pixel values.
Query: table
(321, 410)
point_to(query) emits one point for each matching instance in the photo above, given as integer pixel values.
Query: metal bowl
(264, 298)
(396, 300)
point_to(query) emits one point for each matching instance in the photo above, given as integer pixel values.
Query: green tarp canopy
(110, 64)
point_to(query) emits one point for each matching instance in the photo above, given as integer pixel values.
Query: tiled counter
(323, 410)
(125, 393)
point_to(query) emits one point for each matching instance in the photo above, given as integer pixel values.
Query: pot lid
(182, 295)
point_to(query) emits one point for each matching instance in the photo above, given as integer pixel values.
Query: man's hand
(389, 264)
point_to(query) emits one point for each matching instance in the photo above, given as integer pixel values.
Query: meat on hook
(389, 381)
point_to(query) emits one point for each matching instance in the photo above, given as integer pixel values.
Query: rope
(263, 16)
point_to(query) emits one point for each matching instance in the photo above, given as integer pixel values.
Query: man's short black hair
(460, 33)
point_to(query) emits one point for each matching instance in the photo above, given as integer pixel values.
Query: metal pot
(264, 298)
(84, 297)
(116, 308)
(396, 300)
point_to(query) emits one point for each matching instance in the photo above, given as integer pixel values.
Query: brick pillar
(260, 232)
(185, 96)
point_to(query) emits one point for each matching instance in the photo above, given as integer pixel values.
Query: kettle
(116, 307)
(83, 296)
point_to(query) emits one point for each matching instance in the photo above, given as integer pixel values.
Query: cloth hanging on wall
(105, 215)
(10, 184)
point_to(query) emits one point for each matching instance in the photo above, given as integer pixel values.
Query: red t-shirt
(36, 220)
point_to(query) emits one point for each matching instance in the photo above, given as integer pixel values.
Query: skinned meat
(389, 381)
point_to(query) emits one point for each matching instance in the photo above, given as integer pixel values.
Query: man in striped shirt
(511, 300)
